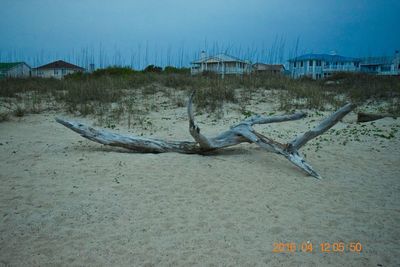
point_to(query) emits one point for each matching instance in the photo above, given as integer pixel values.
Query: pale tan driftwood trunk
(239, 133)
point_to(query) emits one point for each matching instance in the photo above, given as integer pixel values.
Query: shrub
(170, 70)
(19, 112)
(212, 98)
(4, 116)
(114, 71)
(152, 68)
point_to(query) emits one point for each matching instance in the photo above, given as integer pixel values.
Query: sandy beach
(67, 201)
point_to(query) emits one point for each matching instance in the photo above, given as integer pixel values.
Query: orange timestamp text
(323, 247)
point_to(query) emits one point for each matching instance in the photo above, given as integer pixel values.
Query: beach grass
(86, 94)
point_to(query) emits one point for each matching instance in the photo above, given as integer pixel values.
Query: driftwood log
(366, 117)
(239, 133)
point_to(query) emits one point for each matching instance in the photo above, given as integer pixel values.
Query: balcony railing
(221, 70)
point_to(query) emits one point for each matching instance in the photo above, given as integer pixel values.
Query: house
(262, 68)
(385, 65)
(220, 64)
(57, 69)
(15, 70)
(319, 66)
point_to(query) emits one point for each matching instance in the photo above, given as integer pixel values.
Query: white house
(15, 70)
(57, 69)
(318, 66)
(220, 64)
(385, 65)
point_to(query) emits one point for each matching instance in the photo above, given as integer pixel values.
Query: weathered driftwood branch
(366, 117)
(134, 143)
(325, 125)
(239, 133)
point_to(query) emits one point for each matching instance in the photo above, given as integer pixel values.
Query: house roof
(219, 58)
(9, 65)
(59, 64)
(324, 57)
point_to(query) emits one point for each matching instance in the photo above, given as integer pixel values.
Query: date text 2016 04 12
(323, 247)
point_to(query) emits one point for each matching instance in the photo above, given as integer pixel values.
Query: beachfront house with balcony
(319, 66)
(221, 64)
(384, 65)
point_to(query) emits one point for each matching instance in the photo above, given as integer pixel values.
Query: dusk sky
(137, 32)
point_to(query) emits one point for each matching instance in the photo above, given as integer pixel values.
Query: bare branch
(239, 133)
(194, 130)
(258, 119)
(133, 143)
(325, 125)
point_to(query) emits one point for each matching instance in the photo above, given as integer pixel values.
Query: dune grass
(86, 94)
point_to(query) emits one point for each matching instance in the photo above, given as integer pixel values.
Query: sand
(67, 201)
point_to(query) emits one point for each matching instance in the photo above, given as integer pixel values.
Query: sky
(173, 32)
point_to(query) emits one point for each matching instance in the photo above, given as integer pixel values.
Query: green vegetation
(19, 112)
(152, 68)
(95, 93)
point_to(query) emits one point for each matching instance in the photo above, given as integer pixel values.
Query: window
(311, 63)
(318, 63)
(294, 64)
(301, 63)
